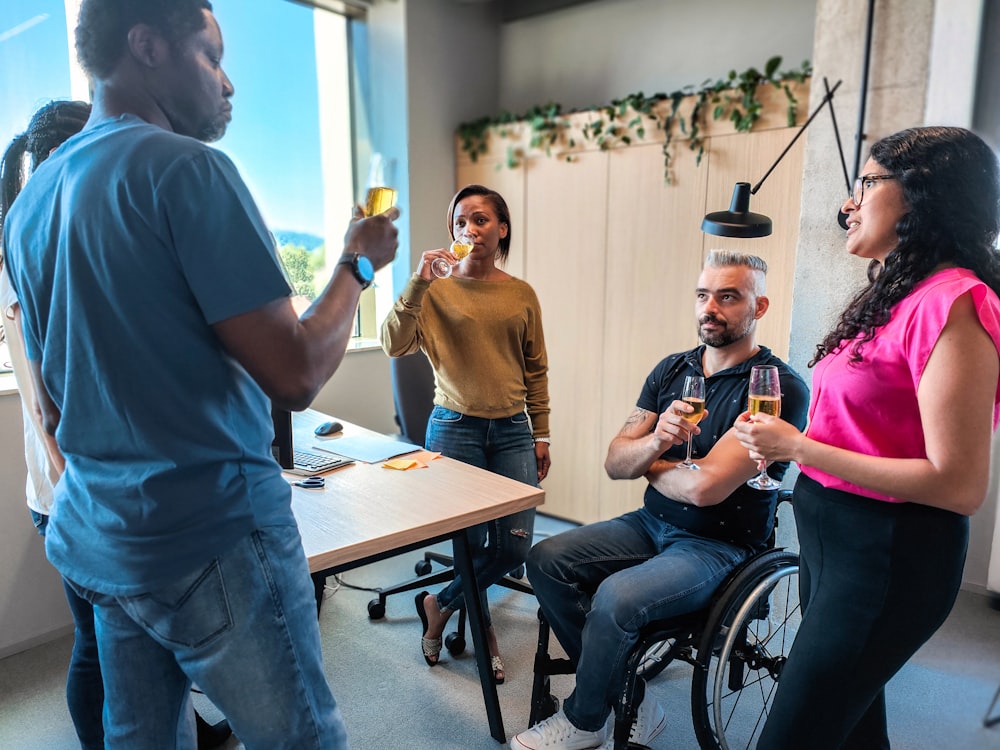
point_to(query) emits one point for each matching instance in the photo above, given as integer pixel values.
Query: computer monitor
(281, 447)
(299, 461)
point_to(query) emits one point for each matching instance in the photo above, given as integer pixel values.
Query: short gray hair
(725, 258)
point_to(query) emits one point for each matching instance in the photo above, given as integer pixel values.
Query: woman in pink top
(896, 456)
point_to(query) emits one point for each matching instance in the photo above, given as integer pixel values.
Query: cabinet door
(654, 256)
(565, 262)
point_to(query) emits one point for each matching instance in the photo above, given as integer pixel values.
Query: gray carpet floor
(391, 700)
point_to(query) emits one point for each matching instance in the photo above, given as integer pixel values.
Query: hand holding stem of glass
(764, 398)
(379, 200)
(694, 395)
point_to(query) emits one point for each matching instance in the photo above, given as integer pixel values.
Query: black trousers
(877, 580)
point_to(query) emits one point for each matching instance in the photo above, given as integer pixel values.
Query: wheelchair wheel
(742, 651)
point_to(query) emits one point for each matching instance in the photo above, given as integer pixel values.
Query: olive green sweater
(484, 340)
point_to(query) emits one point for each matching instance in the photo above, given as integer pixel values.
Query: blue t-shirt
(124, 248)
(746, 517)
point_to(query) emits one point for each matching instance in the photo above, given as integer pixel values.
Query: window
(294, 133)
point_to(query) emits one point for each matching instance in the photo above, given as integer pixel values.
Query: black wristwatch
(361, 267)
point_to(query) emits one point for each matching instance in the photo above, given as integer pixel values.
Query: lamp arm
(865, 64)
(836, 133)
(827, 98)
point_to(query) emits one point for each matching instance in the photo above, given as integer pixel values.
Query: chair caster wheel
(376, 610)
(422, 568)
(455, 643)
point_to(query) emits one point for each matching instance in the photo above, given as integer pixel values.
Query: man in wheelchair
(600, 584)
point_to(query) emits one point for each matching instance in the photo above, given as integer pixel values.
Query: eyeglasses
(858, 194)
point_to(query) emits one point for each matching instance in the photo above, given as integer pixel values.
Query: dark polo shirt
(746, 517)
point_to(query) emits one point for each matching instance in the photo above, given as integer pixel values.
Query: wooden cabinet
(614, 253)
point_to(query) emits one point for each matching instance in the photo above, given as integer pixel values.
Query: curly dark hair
(499, 205)
(103, 26)
(48, 128)
(951, 189)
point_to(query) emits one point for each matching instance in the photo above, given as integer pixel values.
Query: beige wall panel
(654, 257)
(565, 234)
(745, 158)
(510, 184)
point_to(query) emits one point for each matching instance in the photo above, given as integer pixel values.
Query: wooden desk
(367, 513)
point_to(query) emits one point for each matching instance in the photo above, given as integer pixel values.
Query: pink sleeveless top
(871, 407)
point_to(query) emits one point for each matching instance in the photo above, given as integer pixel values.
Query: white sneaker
(556, 733)
(650, 720)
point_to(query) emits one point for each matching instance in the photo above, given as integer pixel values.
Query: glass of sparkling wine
(693, 394)
(765, 398)
(379, 200)
(461, 247)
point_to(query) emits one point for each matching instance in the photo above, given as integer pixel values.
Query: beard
(727, 334)
(212, 130)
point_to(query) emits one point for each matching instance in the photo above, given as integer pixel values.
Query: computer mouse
(328, 428)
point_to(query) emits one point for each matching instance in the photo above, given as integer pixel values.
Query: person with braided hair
(48, 128)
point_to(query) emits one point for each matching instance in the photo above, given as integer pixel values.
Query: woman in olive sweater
(481, 329)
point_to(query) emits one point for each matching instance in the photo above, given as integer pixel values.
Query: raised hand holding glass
(461, 247)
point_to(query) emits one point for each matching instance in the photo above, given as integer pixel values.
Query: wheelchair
(737, 645)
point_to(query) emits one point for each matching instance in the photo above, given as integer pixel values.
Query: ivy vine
(619, 123)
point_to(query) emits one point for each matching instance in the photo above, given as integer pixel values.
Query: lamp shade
(738, 221)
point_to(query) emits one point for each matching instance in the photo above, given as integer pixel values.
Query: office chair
(413, 396)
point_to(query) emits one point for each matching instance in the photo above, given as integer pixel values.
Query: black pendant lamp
(739, 221)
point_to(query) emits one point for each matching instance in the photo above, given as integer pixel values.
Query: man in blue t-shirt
(159, 328)
(599, 584)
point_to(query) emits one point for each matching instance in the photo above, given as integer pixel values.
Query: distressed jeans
(244, 629)
(505, 447)
(600, 584)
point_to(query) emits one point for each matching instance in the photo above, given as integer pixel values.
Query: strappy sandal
(498, 672)
(431, 647)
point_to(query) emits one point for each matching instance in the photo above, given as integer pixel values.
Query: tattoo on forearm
(638, 416)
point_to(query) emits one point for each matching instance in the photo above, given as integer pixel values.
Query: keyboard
(312, 463)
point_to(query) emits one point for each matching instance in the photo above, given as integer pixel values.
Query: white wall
(360, 391)
(590, 54)
(33, 607)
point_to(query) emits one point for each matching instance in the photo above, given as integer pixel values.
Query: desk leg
(319, 586)
(477, 627)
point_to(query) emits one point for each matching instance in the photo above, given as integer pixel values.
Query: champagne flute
(462, 246)
(765, 398)
(693, 394)
(379, 200)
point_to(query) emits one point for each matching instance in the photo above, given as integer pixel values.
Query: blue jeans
(505, 447)
(244, 629)
(599, 584)
(84, 685)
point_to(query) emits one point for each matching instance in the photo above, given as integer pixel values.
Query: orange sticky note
(402, 464)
